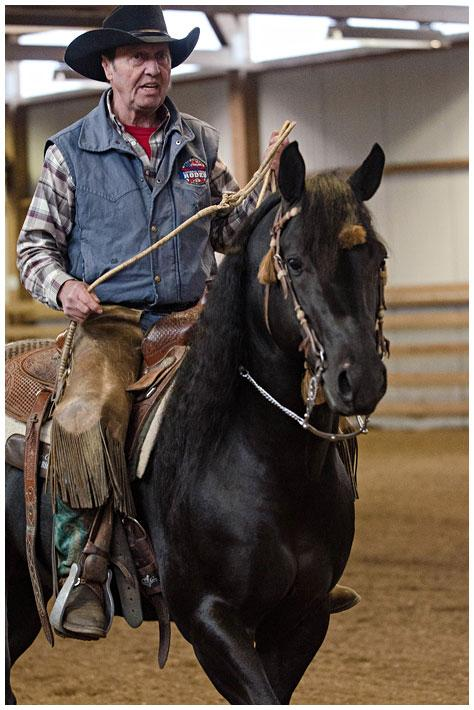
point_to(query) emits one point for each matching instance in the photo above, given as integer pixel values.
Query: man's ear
(106, 64)
(292, 173)
(366, 179)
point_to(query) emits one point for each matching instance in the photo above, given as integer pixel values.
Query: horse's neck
(280, 375)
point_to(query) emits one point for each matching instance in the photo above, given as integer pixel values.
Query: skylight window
(180, 22)
(450, 28)
(277, 36)
(36, 78)
(51, 38)
(377, 23)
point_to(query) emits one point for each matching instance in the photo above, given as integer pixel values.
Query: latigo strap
(32, 442)
(147, 572)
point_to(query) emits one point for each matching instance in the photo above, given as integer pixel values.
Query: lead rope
(229, 200)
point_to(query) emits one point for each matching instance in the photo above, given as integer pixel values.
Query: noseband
(310, 345)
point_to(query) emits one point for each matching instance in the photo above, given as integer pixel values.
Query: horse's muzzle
(355, 389)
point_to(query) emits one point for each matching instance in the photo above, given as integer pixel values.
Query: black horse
(252, 515)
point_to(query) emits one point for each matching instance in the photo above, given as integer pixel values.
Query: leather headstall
(383, 344)
(310, 345)
(315, 360)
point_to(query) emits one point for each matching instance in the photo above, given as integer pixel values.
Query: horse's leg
(23, 622)
(286, 647)
(226, 651)
(22, 618)
(9, 696)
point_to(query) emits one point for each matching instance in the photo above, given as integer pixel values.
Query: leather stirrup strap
(32, 443)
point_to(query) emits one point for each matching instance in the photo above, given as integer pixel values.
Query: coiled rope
(229, 201)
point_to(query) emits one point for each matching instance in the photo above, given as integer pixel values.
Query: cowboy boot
(342, 598)
(88, 610)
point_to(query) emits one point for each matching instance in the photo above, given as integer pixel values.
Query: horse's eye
(294, 263)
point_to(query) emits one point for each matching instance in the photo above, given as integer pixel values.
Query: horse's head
(330, 267)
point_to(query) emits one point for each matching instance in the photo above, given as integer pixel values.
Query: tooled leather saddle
(31, 368)
(31, 372)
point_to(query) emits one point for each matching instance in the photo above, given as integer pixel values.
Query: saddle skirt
(32, 366)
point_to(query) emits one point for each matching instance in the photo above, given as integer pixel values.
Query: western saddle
(31, 373)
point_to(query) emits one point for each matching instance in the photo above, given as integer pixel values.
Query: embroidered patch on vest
(194, 171)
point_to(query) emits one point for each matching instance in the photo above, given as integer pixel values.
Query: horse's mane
(201, 404)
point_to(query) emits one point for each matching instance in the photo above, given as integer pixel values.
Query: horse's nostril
(344, 384)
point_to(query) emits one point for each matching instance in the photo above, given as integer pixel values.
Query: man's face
(139, 76)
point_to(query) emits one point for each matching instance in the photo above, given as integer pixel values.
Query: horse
(246, 498)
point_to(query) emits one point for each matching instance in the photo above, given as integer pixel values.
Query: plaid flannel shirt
(43, 241)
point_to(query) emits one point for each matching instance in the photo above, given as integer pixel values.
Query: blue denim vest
(118, 215)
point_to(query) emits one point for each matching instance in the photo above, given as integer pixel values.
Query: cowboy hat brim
(84, 54)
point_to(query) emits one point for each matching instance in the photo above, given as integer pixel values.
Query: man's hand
(76, 301)
(276, 160)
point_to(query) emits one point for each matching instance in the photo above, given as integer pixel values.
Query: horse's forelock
(333, 220)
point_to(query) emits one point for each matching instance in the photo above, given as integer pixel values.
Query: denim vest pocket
(112, 229)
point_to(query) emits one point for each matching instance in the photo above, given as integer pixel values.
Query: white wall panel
(209, 101)
(351, 110)
(425, 103)
(296, 95)
(420, 232)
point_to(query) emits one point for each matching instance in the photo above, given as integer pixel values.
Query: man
(112, 184)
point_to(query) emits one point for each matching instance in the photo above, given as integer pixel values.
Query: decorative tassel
(351, 235)
(266, 272)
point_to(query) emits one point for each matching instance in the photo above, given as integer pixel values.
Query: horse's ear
(292, 173)
(366, 179)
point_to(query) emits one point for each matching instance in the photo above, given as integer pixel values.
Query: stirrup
(57, 612)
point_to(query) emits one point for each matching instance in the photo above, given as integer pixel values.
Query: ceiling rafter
(92, 15)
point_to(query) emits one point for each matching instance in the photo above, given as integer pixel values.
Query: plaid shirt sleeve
(42, 244)
(225, 227)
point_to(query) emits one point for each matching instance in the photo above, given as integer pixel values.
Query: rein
(310, 344)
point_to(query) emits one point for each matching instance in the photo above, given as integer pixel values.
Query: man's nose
(152, 66)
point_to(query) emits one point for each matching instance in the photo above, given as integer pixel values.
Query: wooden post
(16, 190)
(244, 119)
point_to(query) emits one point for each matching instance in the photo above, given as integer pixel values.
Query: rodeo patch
(194, 171)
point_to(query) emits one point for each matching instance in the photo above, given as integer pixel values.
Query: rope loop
(228, 200)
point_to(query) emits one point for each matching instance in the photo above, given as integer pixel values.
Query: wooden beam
(427, 166)
(243, 106)
(415, 380)
(421, 320)
(57, 15)
(92, 15)
(428, 349)
(22, 52)
(217, 29)
(17, 189)
(428, 295)
(422, 166)
(419, 13)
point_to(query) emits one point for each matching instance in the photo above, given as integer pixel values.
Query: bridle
(310, 345)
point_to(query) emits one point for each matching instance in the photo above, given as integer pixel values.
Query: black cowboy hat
(127, 24)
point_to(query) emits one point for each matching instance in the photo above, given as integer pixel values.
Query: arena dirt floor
(406, 643)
